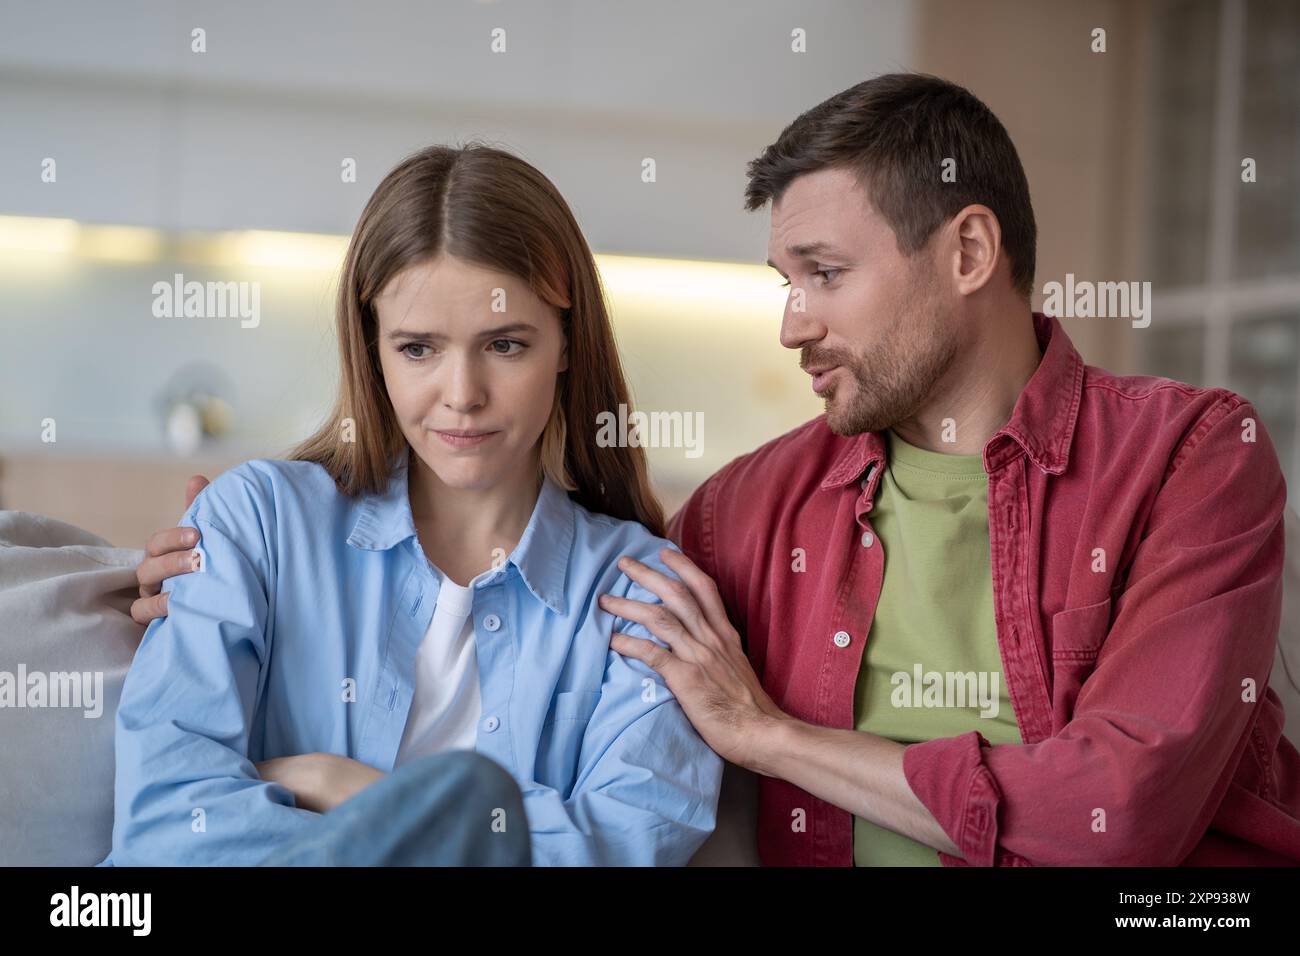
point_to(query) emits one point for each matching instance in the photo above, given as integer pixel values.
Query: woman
(420, 578)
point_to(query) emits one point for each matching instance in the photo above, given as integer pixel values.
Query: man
(994, 607)
(975, 504)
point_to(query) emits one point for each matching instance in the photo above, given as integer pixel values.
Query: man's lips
(821, 376)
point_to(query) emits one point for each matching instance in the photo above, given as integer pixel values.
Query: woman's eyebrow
(398, 334)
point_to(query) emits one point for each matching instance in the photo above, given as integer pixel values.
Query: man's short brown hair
(895, 131)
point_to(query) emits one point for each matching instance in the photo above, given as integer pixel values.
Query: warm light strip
(283, 250)
(25, 234)
(681, 283)
(687, 283)
(120, 243)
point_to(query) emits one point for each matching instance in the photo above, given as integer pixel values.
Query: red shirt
(1130, 668)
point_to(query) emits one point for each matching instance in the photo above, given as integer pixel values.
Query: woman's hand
(319, 781)
(301, 774)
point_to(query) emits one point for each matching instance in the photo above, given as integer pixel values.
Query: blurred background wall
(226, 165)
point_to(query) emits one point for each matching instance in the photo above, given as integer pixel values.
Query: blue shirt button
(491, 724)
(491, 622)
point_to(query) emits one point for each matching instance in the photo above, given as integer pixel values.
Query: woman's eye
(507, 343)
(785, 284)
(412, 345)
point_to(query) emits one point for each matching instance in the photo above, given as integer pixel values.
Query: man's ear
(979, 243)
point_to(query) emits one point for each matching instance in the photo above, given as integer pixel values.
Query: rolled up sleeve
(1136, 775)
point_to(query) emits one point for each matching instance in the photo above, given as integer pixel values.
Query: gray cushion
(65, 606)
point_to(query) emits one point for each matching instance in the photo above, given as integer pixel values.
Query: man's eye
(826, 275)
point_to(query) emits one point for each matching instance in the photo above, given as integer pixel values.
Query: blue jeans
(455, 808)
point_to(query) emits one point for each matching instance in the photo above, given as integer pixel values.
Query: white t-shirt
(446, 705)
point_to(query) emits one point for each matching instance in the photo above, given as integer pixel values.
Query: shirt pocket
(561, 740)
(1077, 636)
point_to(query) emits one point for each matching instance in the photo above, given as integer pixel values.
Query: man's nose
(798, 326)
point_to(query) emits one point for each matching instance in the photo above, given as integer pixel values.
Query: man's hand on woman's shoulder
(167, 554)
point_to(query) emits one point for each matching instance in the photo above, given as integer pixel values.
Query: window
(1225, 252)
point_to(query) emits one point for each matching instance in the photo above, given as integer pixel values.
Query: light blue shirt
(300, 634)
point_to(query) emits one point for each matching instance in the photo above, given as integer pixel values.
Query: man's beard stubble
(891, 383)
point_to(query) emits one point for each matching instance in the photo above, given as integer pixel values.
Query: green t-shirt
(932, 667)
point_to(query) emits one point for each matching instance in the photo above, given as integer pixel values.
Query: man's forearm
(858, 772)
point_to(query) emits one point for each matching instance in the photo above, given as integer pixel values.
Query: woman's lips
(822, 379)
(465, 441)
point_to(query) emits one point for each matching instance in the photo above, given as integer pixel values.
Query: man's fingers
(703, 588)
(654, 656)
(677, 597)
(152, 572)
(168, 552)
(145, 609)
(196, 484)
(171, 539)
(656, 618)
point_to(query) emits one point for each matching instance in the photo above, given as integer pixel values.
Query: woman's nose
(463, 385)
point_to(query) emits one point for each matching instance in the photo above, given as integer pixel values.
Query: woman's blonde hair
(482, 205)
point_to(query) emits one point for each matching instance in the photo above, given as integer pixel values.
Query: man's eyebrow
(806, 250)
(397, 334)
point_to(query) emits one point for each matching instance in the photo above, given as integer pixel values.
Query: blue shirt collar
(541, 556)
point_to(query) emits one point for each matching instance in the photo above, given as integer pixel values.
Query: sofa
(65, 599)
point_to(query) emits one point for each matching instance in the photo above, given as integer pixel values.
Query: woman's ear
(564, 357)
